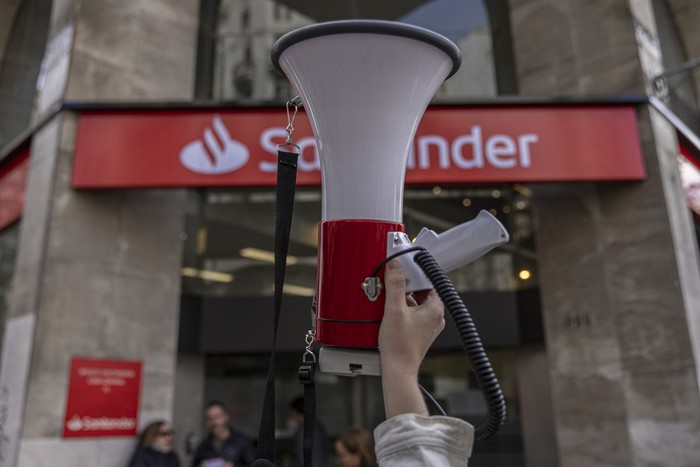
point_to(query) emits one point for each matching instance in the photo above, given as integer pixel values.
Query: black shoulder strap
(286, 181)
(307, 379)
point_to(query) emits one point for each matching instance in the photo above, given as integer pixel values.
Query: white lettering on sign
(440, 143)
(121, 372)
(77, 423)
(216, 153)
(269, 146)
(467, 151)
(308, 154)
(470, 151)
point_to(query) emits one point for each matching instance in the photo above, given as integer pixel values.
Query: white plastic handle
(451, 249)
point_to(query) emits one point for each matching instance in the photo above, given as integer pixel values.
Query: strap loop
(307, 374)
(306, 377)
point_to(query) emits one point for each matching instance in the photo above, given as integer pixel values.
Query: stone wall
(620, 343)
(98, 273)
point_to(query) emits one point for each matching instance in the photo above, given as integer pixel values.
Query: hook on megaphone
(297, 104)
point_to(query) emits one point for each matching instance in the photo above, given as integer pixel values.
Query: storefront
(13, 184)
(464, 159)
(138, 235)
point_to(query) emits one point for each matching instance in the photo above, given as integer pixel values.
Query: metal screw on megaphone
(297, 104)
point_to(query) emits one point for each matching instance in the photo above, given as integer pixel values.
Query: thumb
(395, 282)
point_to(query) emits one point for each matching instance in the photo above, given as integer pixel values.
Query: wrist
(401, 391)
(399, 374)
(400, 366)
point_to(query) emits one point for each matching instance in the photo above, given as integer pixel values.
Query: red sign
(689, 151)
(689, 167)
(13, 185)
(199, 148)
(103, 398)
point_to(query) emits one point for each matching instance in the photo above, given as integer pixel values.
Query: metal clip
(372, 287)
(309, 343)
(296, 103)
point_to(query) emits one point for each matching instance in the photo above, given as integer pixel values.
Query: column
(97, 272)
(617, 260)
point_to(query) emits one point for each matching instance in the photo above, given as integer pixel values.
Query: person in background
(321, 445)
(409, 437)
(223, 447)
(155, 447)
(355, 448)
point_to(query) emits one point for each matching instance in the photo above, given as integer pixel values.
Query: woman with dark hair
(355, 448)
(155, 448)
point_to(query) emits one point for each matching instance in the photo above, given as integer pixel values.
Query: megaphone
(365, 85)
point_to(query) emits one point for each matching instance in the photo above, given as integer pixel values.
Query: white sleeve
(410, 440)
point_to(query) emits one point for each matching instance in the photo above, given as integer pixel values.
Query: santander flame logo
(75, 423)
(218, 154)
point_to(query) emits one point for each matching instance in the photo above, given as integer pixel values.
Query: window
(8, 250)
(19, 68)
(230, 238)
(255, 25)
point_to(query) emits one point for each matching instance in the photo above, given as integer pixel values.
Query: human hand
(410, 324)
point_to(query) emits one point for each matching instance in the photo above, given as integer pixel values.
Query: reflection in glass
(230, 239)
(247, 29)
(8, 251)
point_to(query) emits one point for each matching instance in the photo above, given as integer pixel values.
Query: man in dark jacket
(224, 447)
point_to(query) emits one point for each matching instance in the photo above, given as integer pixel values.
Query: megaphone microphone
(365, 85)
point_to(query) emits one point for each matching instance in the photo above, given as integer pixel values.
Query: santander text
(467, 151)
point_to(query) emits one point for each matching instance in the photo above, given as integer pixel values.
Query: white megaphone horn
(365, 85)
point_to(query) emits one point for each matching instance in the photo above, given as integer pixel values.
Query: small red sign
(689, 151)
(13, 185)
(103, 398)
(236, 147)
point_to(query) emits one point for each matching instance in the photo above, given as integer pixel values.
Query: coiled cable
(495, 402)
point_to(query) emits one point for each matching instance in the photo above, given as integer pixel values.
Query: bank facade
(122, 271)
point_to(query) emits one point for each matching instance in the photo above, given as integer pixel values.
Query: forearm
(401, 392)
(410, 324)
